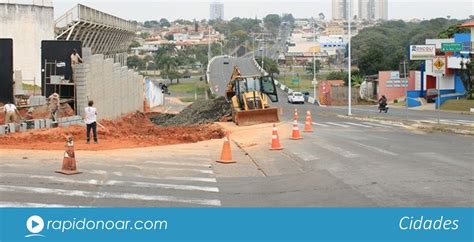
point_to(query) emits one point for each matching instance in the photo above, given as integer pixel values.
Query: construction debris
(199, 112)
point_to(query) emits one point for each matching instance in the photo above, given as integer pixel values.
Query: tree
(451, 30)
(164, 23)
(144, 35)
(372, 62)
(336, 75)
(310, 65)
(383, 46)
(134, 44)
(269, 65)
(467, 77)
(288, 17)
(272, 23)
(357, 80)
(135, 62)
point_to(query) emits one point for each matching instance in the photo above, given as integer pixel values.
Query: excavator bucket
(258, 116)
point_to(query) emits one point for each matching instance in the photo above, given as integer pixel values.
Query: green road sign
(296, 81)
(448, 47)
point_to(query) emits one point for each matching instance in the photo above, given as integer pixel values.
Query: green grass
(305, 81)
(462, 105)
(29, 87)
(189, 87)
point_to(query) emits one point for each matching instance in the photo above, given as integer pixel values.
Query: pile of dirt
(133, 130)
(199, 112)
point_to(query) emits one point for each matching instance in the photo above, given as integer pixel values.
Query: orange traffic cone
(308, 123)
(296, 131)
(295, 116)
(69, 159)
(275, 139)
(226, 154)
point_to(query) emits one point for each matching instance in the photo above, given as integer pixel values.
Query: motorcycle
(383, 107)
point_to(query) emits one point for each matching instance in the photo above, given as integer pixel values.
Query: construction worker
(53, 106)
(75, 60)
(11, 113)
(91, 121)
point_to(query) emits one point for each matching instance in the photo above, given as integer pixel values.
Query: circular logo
(35, 224)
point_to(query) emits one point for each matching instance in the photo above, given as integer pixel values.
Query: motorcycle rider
(382, 103)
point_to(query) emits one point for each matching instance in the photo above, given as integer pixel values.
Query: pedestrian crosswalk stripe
(375, 124)
(135, 175)
(4, 204)
(170, 169)
(337, 150)
(178, 163)
(116, 182)
(356, 124)
(320, 124)
(338, 124)
(109, 195)
(373, 148)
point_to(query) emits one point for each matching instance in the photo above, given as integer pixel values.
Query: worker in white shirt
(91, 121)
(75, 60)
(11, 113)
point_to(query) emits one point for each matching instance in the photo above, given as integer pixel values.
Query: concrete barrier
(11, 127)
(472, 110)
(3, 129)
(23, 127)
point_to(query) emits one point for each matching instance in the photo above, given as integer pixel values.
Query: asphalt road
(357, 163)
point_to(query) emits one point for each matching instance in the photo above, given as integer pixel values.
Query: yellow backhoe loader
(249, 97)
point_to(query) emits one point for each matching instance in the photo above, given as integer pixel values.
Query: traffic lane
(392, 167)
(220, 73)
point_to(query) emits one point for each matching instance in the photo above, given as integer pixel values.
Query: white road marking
(373, 148)
(165, 186)
(465, 121)
(109, 195)
(446, 159)
(178, 163)
(337, 124)
(356, 124)
(375, 124)
(115, 182)
(134, 175)
(306, 156)
(457, 122)
(36, 205)
(320, 124)
(337, 150)
(170, 169)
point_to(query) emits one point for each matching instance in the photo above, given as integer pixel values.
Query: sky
(142, 10)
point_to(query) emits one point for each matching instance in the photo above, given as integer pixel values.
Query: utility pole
(209, 44)
(253, 45)
(314, 61)
(349, 110)
(263, 52)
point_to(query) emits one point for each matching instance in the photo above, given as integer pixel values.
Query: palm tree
(357, 80)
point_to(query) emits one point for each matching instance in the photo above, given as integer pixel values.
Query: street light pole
(253, 45)
(208, 43)
(314, 61)
(263, 51)
(349, 110)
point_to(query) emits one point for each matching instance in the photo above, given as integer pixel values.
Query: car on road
(226, 60)
(431, 95)
(296, 97)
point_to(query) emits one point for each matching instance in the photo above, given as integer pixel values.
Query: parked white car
(296, 97)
